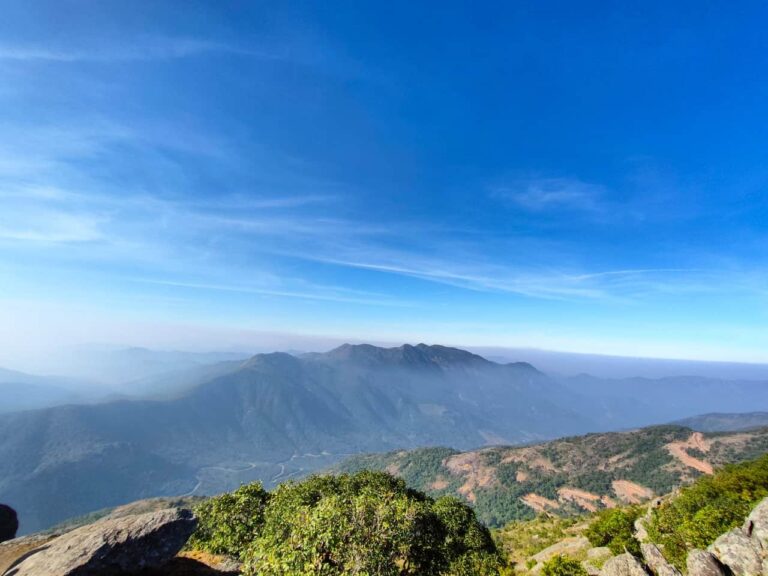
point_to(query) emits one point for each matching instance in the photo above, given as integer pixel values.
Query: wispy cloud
(51, 196)
(273, 229)
(543, 194)
(136, 49)
(50, 226)
(320, 293)
(523, 283)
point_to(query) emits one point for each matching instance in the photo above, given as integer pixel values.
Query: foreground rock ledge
(120, 545)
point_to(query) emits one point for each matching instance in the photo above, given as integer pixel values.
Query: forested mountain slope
(571, 475)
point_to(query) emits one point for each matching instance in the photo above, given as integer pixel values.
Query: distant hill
(278, 416)
(21, 391)
(567, 476)
(717, 422)
(124, 369)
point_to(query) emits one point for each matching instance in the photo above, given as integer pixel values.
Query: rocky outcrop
(701, 563)
(756, 524)
(9, 523)
(656, 561)
(596, 557)
(119, 545)
(623, 565)
(742, 554)
(570, 546)
(13, 551)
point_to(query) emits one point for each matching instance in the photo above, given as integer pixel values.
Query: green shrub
(562, 566)
(615, 528)
(366, 523)
(227, 524)
(708, 508)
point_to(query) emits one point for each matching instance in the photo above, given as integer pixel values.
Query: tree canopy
(368, 523)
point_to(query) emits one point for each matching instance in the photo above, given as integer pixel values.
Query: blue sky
(582, 176)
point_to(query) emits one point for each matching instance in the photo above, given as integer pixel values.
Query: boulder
(590, 569)
(701, 563)
(739, 552)
(656, 562)
(756, 524)
(115, 545)
(599, 554)
(13, 551)
(9, 523)
(596, 557)
(570, 546)
(623, 565)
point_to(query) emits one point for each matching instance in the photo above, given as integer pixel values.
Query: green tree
(562, 566)
(615, 528)
(468, 547)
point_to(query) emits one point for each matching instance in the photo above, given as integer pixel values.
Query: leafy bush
(365, 523)
(562, 566)
(615, 528)
(709, 507)
(227, 524)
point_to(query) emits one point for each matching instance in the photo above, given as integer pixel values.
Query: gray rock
(590, 569)
(599, 553)
(739, 552)
(117, 545)
(756, 524)
(641, 534)
(9, 523)
(656, 561)
(571, 546)
(14, 551)
(596, 557)
(701, 563)
(623, 565)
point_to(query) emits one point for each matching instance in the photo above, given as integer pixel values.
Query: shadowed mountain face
(275, 416)
(718, 422)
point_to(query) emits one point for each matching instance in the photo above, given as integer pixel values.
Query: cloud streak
(320, 294)
(135, 50)
(546, 194)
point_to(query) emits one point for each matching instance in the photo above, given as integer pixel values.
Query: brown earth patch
(439, 484)
(615, 461)
(476, 473)
(521, 476)
(696, 441)
(608, 502)
(630, 492)
(539, 503)
(531, 458)
(582, 498)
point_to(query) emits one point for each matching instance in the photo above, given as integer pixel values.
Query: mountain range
(21, 391)
(277, 416)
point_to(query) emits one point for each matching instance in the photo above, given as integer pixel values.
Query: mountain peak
(406, 355)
